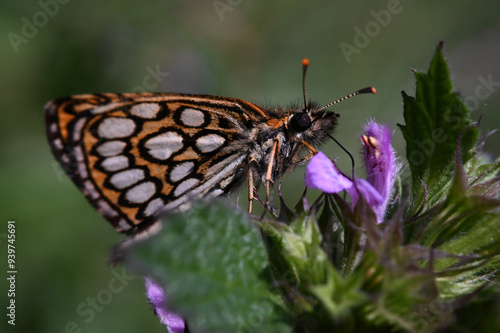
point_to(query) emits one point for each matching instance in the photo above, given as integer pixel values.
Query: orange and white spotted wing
(135, 155)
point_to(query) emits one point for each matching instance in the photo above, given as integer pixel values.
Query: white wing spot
(115, 163)
(77, 129)
(101, 109)
(58, 143)
(153, 206)
(192, 117)
(90, 189)
(82, 170)
(112, 128)
(126, 178)
(145, 110)
(185, 186)
(123, 226)
(111, 148)
(209, 142)
(78, 154)
(105, 208)
(181, 170)
(164, 145)
(141, 193)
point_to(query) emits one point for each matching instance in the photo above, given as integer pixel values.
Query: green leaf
(211, 262)
(296, 249)
(313, 290)
(465, 225)
(435, 120)
(464, 210)
(338, 295)
(296, 257)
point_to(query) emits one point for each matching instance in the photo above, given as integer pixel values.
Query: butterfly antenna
(305, 64)
(348, 153)
(368, 90)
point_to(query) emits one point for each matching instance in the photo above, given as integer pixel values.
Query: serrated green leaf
(435, 121)
(465, 225)
(338, 295)
(211, 261)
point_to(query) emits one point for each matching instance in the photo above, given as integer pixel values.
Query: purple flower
(380, 162)
(381, 167)
(323, 175)
(156, 296)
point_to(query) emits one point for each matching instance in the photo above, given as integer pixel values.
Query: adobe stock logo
(225, 6)
(483, 91)
(30, 27)
(88, 309)
(372, 29)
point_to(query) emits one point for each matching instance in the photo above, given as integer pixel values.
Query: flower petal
(369, 193)
(380, 163)
(156, 296)
(379, 156)
(322, 174)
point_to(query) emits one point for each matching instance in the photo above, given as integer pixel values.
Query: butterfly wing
(135, 155)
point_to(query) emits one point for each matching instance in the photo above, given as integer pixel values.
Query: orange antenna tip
(368, 90)
(305, 64)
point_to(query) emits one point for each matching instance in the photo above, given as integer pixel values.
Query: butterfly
(137, 155)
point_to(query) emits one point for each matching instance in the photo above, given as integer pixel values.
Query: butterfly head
(311, 124)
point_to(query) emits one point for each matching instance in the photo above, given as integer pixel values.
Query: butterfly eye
(300, 122)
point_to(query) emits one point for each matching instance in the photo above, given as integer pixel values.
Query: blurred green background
(246, 49)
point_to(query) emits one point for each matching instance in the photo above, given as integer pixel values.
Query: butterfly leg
(311, 149)
(251, 188)
(269, 172)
